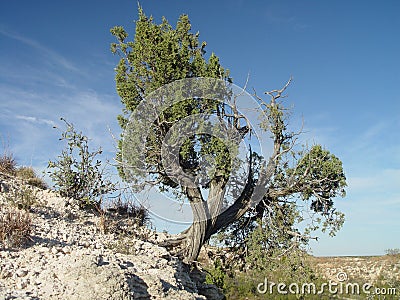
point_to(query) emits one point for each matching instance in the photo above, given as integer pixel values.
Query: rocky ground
(76, 254)
(368, 269)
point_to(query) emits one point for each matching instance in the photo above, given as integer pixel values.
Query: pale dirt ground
(359, 268)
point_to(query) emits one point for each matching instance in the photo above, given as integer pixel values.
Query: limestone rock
(70, 257)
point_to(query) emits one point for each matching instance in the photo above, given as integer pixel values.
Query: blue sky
(344, 56)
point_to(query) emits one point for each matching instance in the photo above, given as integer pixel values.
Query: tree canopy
(164, 77)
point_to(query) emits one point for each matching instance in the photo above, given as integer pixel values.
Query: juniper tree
(160, 55)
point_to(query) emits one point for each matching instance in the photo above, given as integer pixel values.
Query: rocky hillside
(368, 269)
(76, 254)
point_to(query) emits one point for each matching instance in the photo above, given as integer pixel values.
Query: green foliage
(161, 54)
(22, 198)
(15, 226)
(217, 275)
(287, 267)
(312, 168)
(291, 267)
(305, 180)
(288, 263)
(314, 176)
(29, 175)
(77, 173)
(265, 248)
(254, 240)
(270, 248)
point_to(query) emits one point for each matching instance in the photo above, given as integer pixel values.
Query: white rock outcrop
(69, 257)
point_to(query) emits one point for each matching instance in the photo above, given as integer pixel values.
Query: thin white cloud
(379, 181)
(52, 55)
(36, 120)
(28, 117)
(278, 18)
(374, 130)
(30, 75)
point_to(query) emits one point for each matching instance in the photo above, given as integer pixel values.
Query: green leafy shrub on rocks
(77, 172)
(22, 198)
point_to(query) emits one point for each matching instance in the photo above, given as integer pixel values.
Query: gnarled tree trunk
(207, 216)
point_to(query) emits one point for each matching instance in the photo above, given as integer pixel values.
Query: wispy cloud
(275, 17)
(35, 94)
(36, 120)
(49, 53)
(375, 182)
(28, 115)
(30, 75)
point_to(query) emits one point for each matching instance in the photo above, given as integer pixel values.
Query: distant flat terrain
(369, 269)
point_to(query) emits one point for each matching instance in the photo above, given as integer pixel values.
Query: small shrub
(7, 163)
(216, 275)
(103, 223)
(129, 209)
(123, 246)
(29, 175)
(77, 173)
(22, 198)
(25, 173)
(15, 226)
(395, 251)
(139, 214)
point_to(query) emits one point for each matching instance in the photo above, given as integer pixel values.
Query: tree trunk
(195, 236)
(207, 217)
(194, 240)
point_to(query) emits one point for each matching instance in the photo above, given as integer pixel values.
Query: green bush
(216, 275)
(77, 173)
(22, 198)
(287, 269)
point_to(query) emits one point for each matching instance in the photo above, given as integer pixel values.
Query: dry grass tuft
(29, 175)
(8, 163)
(15, 226)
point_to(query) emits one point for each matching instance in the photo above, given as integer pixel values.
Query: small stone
(7, 266)
(4, 188)
(21, 272)
(22, 284)
(36, 271)
(43, 261)
(54, 250)
(66, 250)
(5, 274)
